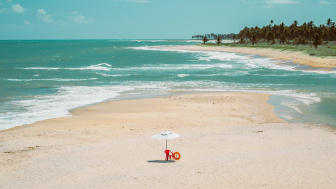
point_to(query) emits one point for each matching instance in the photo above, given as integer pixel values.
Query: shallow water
(46, 79)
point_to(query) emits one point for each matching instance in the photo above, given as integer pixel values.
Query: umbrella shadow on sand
(160, 161)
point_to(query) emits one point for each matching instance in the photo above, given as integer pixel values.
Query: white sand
(229, 140)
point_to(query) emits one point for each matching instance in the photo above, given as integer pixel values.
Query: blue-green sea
(46, 79)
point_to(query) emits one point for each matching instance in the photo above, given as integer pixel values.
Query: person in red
(169, 155)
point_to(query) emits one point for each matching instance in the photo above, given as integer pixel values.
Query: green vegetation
(294, 38)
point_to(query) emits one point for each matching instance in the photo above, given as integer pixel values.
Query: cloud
(271, 3)
(281, 2)
(17, 8)
(135, 1)
(43, 16)
(323, 2)
(26, 22)
(138, 1)
(2, 10)
(79, 19)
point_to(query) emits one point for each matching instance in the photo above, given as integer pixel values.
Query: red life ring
(176, 156)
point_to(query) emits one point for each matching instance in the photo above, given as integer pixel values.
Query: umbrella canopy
(165, 135)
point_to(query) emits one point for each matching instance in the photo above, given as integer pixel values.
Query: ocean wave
(113, 75)
(176, 67)
(101, 66)
(249, 62)
(182, 75)
(53, 79)
(43, 107)
(57, 105)
(302, 98)
(292, 105)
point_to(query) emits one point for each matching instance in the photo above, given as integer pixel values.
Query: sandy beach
(228, 140)
(296, 57)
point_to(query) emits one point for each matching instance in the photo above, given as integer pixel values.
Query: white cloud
(2, 10)
(43, 16)
(17, 8)
(79, 19)
(272, 3)
(138, 1)
(26, 22)
(281, 2)
(323, 2)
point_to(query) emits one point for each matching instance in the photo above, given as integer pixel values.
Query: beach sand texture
(296, 57)
(228, 140)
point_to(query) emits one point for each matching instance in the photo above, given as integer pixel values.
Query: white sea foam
(182, 75)
(101, 66)
(292, 105)
(176, 67)
(53, 79)
(113, 75)
(249, 62)
(286, 117)
(39, 68)
(306, 99)
(67, 98)
(58, 104)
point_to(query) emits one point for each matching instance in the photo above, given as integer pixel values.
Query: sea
(44, 79)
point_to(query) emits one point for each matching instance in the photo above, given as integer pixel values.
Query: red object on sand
(168, 155)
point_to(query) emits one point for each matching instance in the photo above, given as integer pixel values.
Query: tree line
(214, 36)
(307, 33)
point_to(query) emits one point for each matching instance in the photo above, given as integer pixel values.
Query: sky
(150, 19)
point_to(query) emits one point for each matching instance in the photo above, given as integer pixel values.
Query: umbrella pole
(166, 144)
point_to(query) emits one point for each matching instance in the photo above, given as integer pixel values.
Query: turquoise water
(46, 79)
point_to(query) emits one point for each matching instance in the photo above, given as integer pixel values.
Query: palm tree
(205, 39)
(282, 39)
(307, 33)
(219, 40)
(234, 38)
(254, 39)
(241, 40)
(295, 23)
(329, 21)
(317, 40)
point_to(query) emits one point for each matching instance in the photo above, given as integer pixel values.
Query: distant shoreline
(296, 57)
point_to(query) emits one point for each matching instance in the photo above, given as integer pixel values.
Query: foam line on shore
(296, 57)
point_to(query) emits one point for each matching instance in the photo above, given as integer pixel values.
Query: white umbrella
(165, 135)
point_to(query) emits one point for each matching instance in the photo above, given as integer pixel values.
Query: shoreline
(231, 140)
(74, 112)
(296, 57)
